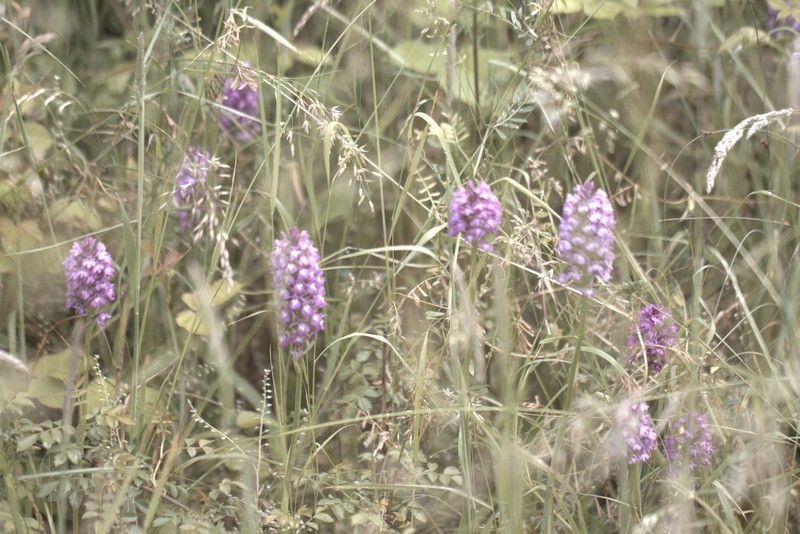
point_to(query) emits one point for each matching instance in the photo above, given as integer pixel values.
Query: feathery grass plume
(90, 278)
(475, 212)
(633, 426)
(688, 440)
(653, 335)
(586, 237)
(751, 125)
(299, 291)
(240, 96)
(200, 206)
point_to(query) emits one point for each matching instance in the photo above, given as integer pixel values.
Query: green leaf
(311, 55)
(98, 395)
(744, 37)
(57, 365)
(60, 459)
(131, 255)
(14, 376)
(17, 237)
(27, 442)
(322, 517)
(566, 6)
(74, 455)
(76, 213)
(39, 138)
(191, 321)
(218, 292)
(47, 488)
(248, 419)
(47, 391)
(608, 9)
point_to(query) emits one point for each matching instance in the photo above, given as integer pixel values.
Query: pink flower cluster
(299, 291)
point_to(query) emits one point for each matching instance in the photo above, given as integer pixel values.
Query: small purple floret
(688, 441)
(90, 278)
(632, 425)
(189, 184)
(242, 101)
(774, 22)
(586, 238)
(299, 291)
(657, 331)
(475, 212)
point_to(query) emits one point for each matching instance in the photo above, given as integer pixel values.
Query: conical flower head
(657, 331)
(474, 213)
(299, 291)
(586, 237)
(90, 278)
(633, 426)
(242, 100)
(688, 441)
(189, 183)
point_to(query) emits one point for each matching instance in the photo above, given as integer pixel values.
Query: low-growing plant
(428, 266)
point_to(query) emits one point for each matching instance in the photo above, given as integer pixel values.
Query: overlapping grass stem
(407, 267)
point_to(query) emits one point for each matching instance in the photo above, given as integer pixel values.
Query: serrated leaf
(47, 488)
(27, 442)
(191, 321)
(60, 459)
(74, 455)
(323, 517)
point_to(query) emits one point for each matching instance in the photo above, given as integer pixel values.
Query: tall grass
(453, 389)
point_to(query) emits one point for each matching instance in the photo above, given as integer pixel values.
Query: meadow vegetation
(414, 266)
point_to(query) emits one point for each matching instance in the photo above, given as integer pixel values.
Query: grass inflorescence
(423, 266)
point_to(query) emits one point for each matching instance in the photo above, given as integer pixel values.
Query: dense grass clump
(414, 266)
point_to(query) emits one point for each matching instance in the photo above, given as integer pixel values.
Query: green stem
(573, 368)
(571, 379)
(11, 493)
